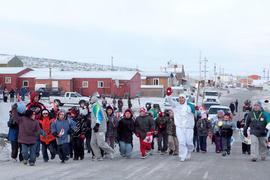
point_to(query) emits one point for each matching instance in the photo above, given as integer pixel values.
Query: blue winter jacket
(67, 124)
(13, 131)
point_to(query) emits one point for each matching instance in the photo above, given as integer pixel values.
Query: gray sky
(234, 34)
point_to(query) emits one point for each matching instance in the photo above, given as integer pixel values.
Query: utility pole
(264, 73)
(215, 74)
(268, 75)
(200, 78)
(112, 62)
(205, 61)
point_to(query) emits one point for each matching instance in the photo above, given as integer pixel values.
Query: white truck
(211, 96)
(71, 98)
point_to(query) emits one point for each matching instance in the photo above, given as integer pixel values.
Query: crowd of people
(99, 127)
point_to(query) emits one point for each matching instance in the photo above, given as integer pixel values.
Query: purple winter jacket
(28, 128)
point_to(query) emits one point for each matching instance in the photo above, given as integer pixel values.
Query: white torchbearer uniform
(184, 122)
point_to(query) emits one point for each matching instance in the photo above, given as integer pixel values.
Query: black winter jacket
(126, 128)
(143, 125)
(257, 123)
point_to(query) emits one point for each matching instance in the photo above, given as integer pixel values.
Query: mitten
(169, 91)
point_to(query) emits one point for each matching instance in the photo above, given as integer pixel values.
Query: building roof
(11, 70)
(155, 74)
(152, 86)
(58, 74)
(5, 58)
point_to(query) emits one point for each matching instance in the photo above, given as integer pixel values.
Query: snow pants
(15, 149)
(97, 142)
(78, 147)
(144, 146)
(185, 140)
(258, 147)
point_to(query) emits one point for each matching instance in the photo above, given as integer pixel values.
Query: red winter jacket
(45, 123)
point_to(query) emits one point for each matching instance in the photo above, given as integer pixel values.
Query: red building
(9, 77)
(108, 83)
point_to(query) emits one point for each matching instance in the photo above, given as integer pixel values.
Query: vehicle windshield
(211, 93)
(215, 110)
(207, 106)
(78, 95)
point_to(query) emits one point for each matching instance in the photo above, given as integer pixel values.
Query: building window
(100, 84)
(85, 84)
(25, 83)
(7, 80)
(156, 81)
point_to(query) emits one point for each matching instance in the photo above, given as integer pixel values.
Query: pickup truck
(71, 98)
(211, 96)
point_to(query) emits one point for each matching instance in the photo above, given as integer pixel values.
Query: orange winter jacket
(45, 124)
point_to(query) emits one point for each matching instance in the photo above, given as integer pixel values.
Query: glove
(96, 128)
(169, 91)
(54, 134)
(137, 134)
(14, 106)
(82, 136)
(43, 133)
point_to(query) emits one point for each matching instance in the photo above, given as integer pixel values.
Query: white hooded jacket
(183, 116)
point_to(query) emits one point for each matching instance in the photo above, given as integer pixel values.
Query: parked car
(71, 98)
(213, 110)
(211, 96)
(46, 92)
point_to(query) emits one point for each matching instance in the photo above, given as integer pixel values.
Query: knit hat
(258, 103)
(73, 111)
(21, 108)
(142, 109)
(61, 111)
(182, 95)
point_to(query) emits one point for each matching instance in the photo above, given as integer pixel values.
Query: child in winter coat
(144, 127)
(226, 127)
(78, 136)
(217, 135)
(47, 139)
(171, 131)
(126, 128)
(112, 125)
(61, 129)
(241, 126)
(161, 125)
(203, 126)
(13, 133)
(28, 131)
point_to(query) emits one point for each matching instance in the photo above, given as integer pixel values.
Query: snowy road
(202, 166)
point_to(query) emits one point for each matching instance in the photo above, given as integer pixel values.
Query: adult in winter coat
(99, 125)
(79, 135)
(126, 128)
(62, 129)
(47, 139)
(13, 133)
(171, 131)
(120, 105)
(12, 95)
(23, 92)
(144, 124)
(5, 95)
(232, 107)
(28, 131)
(88, 132)
(203, 126)
(161, 125)
(184, 122)
(257, 122)
(36, 107)
(112, 125)
(129, 103)
(236, 105)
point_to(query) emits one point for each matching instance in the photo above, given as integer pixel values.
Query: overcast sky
(234, 34)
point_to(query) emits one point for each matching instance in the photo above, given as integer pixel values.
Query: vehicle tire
(58, 102)
(82, 103)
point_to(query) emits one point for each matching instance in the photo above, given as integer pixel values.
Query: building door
(54, 84)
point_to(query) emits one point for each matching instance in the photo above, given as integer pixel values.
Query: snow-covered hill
(33, 62)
